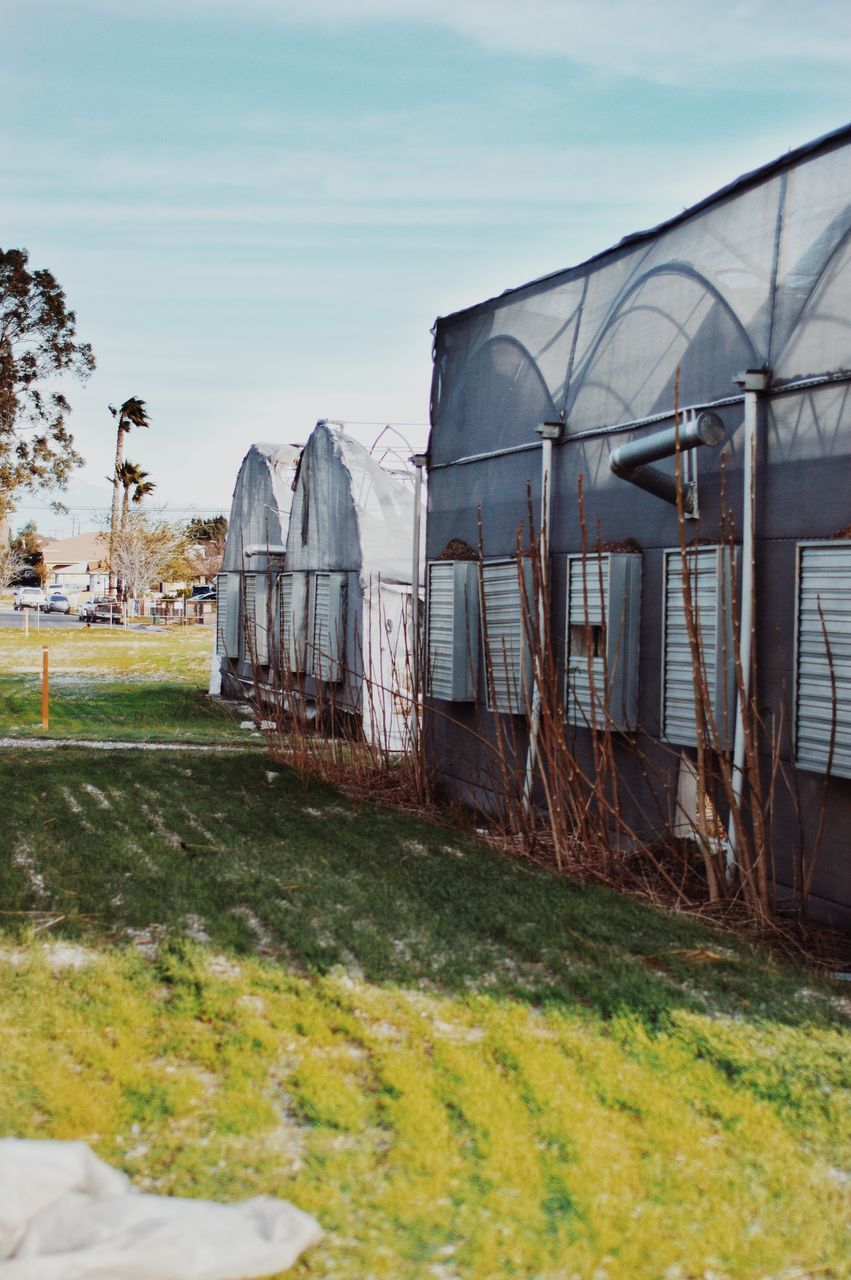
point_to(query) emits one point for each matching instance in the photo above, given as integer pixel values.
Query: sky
(257, 208)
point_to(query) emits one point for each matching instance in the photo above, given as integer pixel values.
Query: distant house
(77, 563)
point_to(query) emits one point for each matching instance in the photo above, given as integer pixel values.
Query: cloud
(669, 42)
(430, 184)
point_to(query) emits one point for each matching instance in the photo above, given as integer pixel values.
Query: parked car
(201, 595)
(29, 598)
(57, 602)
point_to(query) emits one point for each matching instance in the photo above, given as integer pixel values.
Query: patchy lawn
(466, 1067)
(113, 684)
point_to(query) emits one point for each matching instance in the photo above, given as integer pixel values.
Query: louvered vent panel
(285, 600)
(249, 623)
(603, 617)
(506, 648)
(823, 702)
(441, 629)
(710, 578)
(221, 612)
(587, 607)
(327, 627)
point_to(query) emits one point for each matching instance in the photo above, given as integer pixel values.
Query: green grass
(465, 1066)
(113, 684)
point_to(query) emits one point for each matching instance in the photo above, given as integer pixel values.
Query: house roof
(84, 548)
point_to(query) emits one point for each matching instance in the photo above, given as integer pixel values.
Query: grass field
(113, 684)
(466, 1067)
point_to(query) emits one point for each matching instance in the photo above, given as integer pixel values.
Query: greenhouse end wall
(757, 277)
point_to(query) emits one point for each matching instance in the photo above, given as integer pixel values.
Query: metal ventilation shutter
(710, 574)
(506, 618)
(285, 607)
(452, 630)
(221, 612)
(824, 582)
(228, 606)
(292, 604)
(327, 631)
(603, 614)
(249, 619)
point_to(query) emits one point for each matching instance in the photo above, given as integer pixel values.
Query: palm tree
(130, 474)
(132, 413)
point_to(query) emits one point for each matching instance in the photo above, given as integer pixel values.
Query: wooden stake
(45, 690)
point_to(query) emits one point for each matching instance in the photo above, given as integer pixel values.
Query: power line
(106, 507)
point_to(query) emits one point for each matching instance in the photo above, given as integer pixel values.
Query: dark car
(200, 595)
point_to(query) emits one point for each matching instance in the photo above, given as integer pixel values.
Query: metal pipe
(549, 432)
(621, 428)
(264, 549)
(754, 382)
(629, 460)
(419, 460)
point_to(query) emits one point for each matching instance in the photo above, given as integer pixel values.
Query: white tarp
(65, 1215)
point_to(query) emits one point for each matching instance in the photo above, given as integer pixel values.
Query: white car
(29, 598)
(57, 602)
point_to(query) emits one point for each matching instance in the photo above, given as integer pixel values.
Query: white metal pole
(549, 432)
(753, 382)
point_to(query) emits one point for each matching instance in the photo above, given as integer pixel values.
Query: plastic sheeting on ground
(65, 1215)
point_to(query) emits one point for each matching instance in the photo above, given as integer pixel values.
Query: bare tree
(144, 551)
(12, 564)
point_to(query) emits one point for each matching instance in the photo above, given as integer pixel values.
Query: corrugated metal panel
(506, 647)
(327, 631)
(452, 630)
(603, 608)
(824, 582)
(711, 590)
(221, 612)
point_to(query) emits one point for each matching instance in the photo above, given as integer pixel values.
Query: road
(37, 620)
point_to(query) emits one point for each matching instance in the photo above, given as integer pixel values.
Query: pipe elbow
(619, 467)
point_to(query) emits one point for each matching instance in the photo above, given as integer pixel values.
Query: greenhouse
(256, 542)
(664, 433)
(317, 586)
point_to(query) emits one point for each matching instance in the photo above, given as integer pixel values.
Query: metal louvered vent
(452, 623)
(221, 612)
(506, 617)
(823, 666)
(285, 605)
(292, 605)
(327, 632)
(249, 620)
(710, 576)
(603, 603)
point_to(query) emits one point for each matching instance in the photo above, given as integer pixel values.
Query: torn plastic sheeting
(65, 1215)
